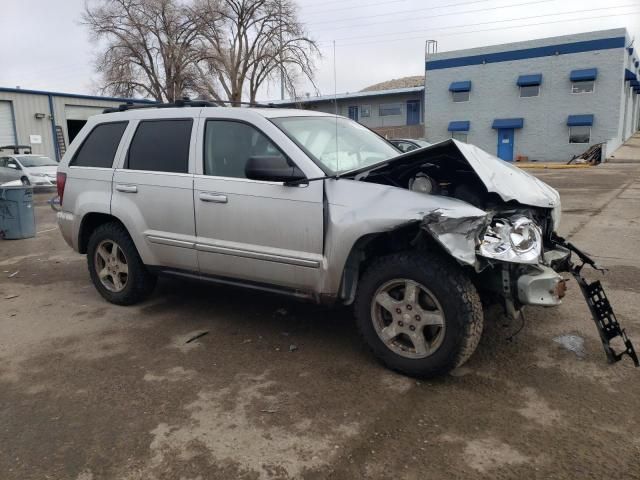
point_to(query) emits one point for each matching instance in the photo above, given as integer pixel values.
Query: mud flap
(601, 310)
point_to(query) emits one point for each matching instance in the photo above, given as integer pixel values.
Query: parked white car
(35, 170)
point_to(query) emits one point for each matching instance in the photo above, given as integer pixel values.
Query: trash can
(16, 213)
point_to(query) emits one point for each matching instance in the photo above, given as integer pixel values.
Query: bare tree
(147, 47)
(246, 44)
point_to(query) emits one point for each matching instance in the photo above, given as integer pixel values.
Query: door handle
(126, 188)
(213, 197)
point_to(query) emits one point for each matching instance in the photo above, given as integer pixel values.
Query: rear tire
(116, 269)
(431, 320)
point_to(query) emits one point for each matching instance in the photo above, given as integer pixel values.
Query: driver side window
(228, 145)
(3, 162)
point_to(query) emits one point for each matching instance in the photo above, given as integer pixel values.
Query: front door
(256, 231)
(353, 113)
(505, 144)
(413, 112)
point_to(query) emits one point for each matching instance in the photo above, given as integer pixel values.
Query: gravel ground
(282, 389)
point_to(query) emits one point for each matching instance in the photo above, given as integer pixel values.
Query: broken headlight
(517, 240)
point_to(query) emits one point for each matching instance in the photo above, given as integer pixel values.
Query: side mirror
(272, 169)
(12, 165)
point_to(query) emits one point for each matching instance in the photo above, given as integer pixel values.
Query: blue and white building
(547, 99)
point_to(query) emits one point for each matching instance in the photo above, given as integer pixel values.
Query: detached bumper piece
(601, 310)
(608, 326)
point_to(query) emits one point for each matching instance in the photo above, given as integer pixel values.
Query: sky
(43, 46)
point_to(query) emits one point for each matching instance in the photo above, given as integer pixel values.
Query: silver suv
(318, 207)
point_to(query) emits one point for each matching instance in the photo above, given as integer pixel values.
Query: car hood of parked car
(498, 176)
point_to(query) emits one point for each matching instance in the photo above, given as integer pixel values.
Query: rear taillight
(61, 179)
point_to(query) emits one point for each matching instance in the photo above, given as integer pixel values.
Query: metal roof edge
(343, 96)
(75, 95)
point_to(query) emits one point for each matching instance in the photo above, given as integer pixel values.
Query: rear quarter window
(100, 146)
(161, 146)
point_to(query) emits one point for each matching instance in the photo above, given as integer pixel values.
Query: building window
(580, 134)
(365, 111)
(458, 97)
(460, 136)
(586, 86)
(529, 91)
(390, 109)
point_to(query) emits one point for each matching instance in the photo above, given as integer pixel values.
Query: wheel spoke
(104, 273)
(123, 268)
(103, 253)
(419, 342)
(411, 293)
(389, 333)
(114, 251)
(384, 300)
(117, 283)
(429, 317)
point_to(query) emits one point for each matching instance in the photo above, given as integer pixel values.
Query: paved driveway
(281, 389)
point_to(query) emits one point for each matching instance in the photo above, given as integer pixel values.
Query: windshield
(336, 144)
(28, 162)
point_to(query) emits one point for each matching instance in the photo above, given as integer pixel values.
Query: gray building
(48, 121)
(546, 99)
(394, 113)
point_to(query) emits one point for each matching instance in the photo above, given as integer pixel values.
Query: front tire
(419, 313)
(116, 269)
(25, 181)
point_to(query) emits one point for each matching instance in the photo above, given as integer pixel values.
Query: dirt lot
(281, 389)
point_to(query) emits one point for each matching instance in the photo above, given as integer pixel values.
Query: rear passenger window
(161, 146)
(99, 148)
(228, 146)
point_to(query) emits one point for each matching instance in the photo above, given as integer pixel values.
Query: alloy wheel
(408, 318)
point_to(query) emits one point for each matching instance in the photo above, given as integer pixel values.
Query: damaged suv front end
(512, 250)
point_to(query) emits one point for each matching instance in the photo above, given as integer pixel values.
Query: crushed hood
(499, 177)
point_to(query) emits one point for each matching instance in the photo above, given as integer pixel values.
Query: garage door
(77, 112)
(7, 133)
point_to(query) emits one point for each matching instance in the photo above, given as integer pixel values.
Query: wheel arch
(370, 246)
(88, 225)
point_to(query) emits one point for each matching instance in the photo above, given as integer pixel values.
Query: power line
(422, 37)
(427, 17)
(485, 23)
(429, 9)
(387, 2)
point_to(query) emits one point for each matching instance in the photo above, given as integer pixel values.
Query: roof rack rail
(16, 148)
(184, 102)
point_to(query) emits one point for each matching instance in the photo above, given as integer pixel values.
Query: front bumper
(542, 284)
(42, 181)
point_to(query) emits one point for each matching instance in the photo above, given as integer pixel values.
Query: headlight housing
(37, 174)
(517, 240)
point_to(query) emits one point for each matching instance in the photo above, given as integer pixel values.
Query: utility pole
(281, 46)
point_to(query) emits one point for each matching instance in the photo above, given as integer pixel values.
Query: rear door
(153, 190)
(257, 231)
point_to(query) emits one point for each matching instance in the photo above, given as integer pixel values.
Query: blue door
(353, 113)
(413, 112)
(505, 144)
